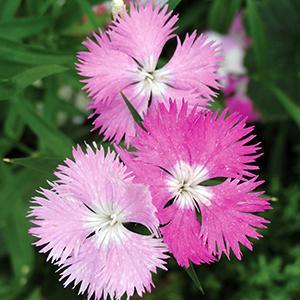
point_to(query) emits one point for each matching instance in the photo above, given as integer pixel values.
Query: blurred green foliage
(43, 114)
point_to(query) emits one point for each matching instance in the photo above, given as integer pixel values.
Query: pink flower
(236, 98)
(234, 45)
(242, 104)
(124, 59)
(180, 151)
(80, 223)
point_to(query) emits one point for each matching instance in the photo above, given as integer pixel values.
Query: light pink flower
(80, 223)
(180, 151)
(124, 59)
(234, 45)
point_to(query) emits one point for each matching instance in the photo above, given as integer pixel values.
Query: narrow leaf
(290, 106)
(257, 33)
(18, 52)
(193, 275)
(55, 140)
(41, 164)
(29, 76)
(8, 9)
(173, 4)
(23, 27)
(135, 115)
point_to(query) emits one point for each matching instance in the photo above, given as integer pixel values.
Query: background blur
(43, 113)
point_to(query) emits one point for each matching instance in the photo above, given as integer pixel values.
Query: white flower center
(151, 80)
(183, 183)
(106, 222)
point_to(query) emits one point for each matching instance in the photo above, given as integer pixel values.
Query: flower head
(124, 59)
(183, 152)
(234, 45)
(81, 223)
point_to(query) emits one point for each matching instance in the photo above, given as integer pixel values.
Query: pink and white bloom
(124, 59)
(80, 222)
(182, 150)
(234, 46)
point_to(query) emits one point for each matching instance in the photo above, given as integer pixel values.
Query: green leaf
(257, 32)
(221, 14)
(19, 247)
(290, 106)
(193, 275)
(8, 9)
(173, 4)
(216, 14)
(55, 140)
(135, 115)
(29, 76)
(23, 27)
(6, 90)
(13, 126)
(277, 160)
(18, 52)
(40, 164)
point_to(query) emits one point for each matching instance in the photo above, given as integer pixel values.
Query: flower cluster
(233, 71)
(190, 183)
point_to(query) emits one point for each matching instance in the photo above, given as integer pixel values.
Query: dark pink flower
(124, 59)
(176, 155)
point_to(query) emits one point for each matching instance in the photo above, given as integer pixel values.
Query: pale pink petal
(114, 118)
(193, 67)
(229, 220)
(58, 221)
(82, 221)
(109, 71)
(143, 32)
(121, 268)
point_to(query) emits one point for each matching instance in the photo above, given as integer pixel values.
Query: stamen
(183, 183)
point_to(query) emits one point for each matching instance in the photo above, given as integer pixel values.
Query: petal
(121, 268)
(230, 219)
(182, 236)
(243, 105)
(115, 120)
(218, 143)
(154, 176)
(193, 67)
(136, 205)
(143, 32)
(108, 71)
(59, 224)
(88, 176)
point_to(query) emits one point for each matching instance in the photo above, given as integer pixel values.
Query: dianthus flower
(178, 156)
(81, 223)
(124, 60)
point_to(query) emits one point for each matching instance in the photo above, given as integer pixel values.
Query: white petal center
(106, 221)
(151, 80)
(183, 183)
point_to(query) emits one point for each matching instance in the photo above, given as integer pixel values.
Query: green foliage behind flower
(43, 114)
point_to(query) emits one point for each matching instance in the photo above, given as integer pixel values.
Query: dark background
(43, 113)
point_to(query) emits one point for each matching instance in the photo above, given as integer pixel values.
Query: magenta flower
(236, 98)
(176, 156)
(124, 59)
(80, 223)
(242, 104)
